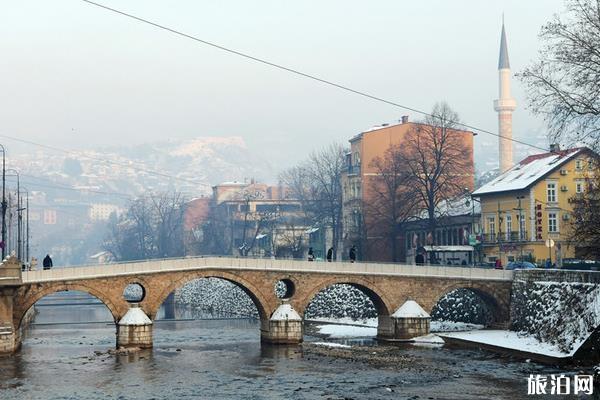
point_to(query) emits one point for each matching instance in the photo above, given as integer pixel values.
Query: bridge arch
(264, 307)
(497, 305)
(382, 304)
(32, 296)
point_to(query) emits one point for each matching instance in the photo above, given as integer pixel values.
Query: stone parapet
(557, 275)
(10, 272)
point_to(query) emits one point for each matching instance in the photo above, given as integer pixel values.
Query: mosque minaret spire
(505, 105)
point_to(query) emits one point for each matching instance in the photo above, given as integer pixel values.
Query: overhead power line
(300, 73)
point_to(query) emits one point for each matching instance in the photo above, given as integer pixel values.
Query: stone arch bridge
(389, 286)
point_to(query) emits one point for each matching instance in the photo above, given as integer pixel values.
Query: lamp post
(522, 234)
(25, 243)
(19, 206)
(3, 201)
(471, 202)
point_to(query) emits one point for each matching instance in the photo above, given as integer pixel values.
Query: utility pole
(27, 241)
(3, 201)
(522, 234)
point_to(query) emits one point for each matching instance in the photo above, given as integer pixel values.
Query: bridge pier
(10, 335)
(408, 322)
(10, 280)
(134, 329)
(284, 327)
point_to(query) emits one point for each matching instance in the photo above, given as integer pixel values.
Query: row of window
(442, 237)
(552, 192)
(521, 224)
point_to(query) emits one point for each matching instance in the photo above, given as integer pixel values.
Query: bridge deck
(199, 263)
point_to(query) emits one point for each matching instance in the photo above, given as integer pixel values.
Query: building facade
(360, 230)
(526, 211)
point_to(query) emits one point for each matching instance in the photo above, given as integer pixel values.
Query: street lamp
(19, 215)
(3, 201)
(470, 201)
(25, 248)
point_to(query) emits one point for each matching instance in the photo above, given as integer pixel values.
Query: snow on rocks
(338, 345)
(135, 316)
(410, 309)
(562, 314)
(347, 331)
(285, 312)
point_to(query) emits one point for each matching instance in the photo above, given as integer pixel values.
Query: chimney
(404, 119)
(554, 147)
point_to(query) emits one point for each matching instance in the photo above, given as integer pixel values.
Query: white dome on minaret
(505, 105)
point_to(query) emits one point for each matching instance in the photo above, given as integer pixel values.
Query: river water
(224, 359)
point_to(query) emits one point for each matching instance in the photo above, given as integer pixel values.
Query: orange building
(358, 185)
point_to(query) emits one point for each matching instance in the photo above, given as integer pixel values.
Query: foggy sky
(77, 76)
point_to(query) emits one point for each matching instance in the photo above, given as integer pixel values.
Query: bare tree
(584, 234)
(438, 162)
(393, 198)
(152, 227)
(317, 184)
(564, 83)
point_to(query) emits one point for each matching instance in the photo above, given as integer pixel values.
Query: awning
(448, 248)
(311, 230)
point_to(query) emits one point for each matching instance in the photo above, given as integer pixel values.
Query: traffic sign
(549, 243)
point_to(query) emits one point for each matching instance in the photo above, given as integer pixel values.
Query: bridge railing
(285, 265)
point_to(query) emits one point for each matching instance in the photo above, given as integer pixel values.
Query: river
(224, 359)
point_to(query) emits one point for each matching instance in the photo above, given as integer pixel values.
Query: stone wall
(557, 275)
(134, 336)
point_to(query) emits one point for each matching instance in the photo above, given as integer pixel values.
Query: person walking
(352, 254)
(311, 254)
(47, 263)
(330, 254)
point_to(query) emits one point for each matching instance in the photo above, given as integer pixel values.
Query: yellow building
(529, 207)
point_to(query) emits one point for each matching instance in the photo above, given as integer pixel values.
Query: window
(551, 191)
(491, 226)
(508, 226)
(578, 187)
(552, 222)
(522, 226)
(578, 165)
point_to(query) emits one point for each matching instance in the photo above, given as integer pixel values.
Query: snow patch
(510, 340)
(337, 345)
(346, 331)
(135, 316)
(285, 312)
(410, 309)
(431, 338)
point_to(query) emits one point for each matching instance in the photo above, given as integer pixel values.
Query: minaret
(505, 105)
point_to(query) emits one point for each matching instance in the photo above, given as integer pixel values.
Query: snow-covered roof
(135, 316)
(528, 171)
(410, 309)
(311, 230)
(285, 312)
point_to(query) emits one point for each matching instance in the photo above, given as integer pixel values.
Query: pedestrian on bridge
(352, 254)
(330, 254)
(47, 263)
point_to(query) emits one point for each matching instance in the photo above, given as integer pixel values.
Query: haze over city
(300, 200)
(83, 77)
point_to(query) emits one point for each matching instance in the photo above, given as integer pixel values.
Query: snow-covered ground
(347, 331)
(510, 340)
(337, 345)
(436, 326)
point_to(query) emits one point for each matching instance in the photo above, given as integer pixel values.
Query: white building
(103, 211)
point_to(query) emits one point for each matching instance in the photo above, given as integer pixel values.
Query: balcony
(354, 169)
(505, 237)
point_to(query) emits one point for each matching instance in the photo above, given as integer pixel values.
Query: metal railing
(505, 237)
